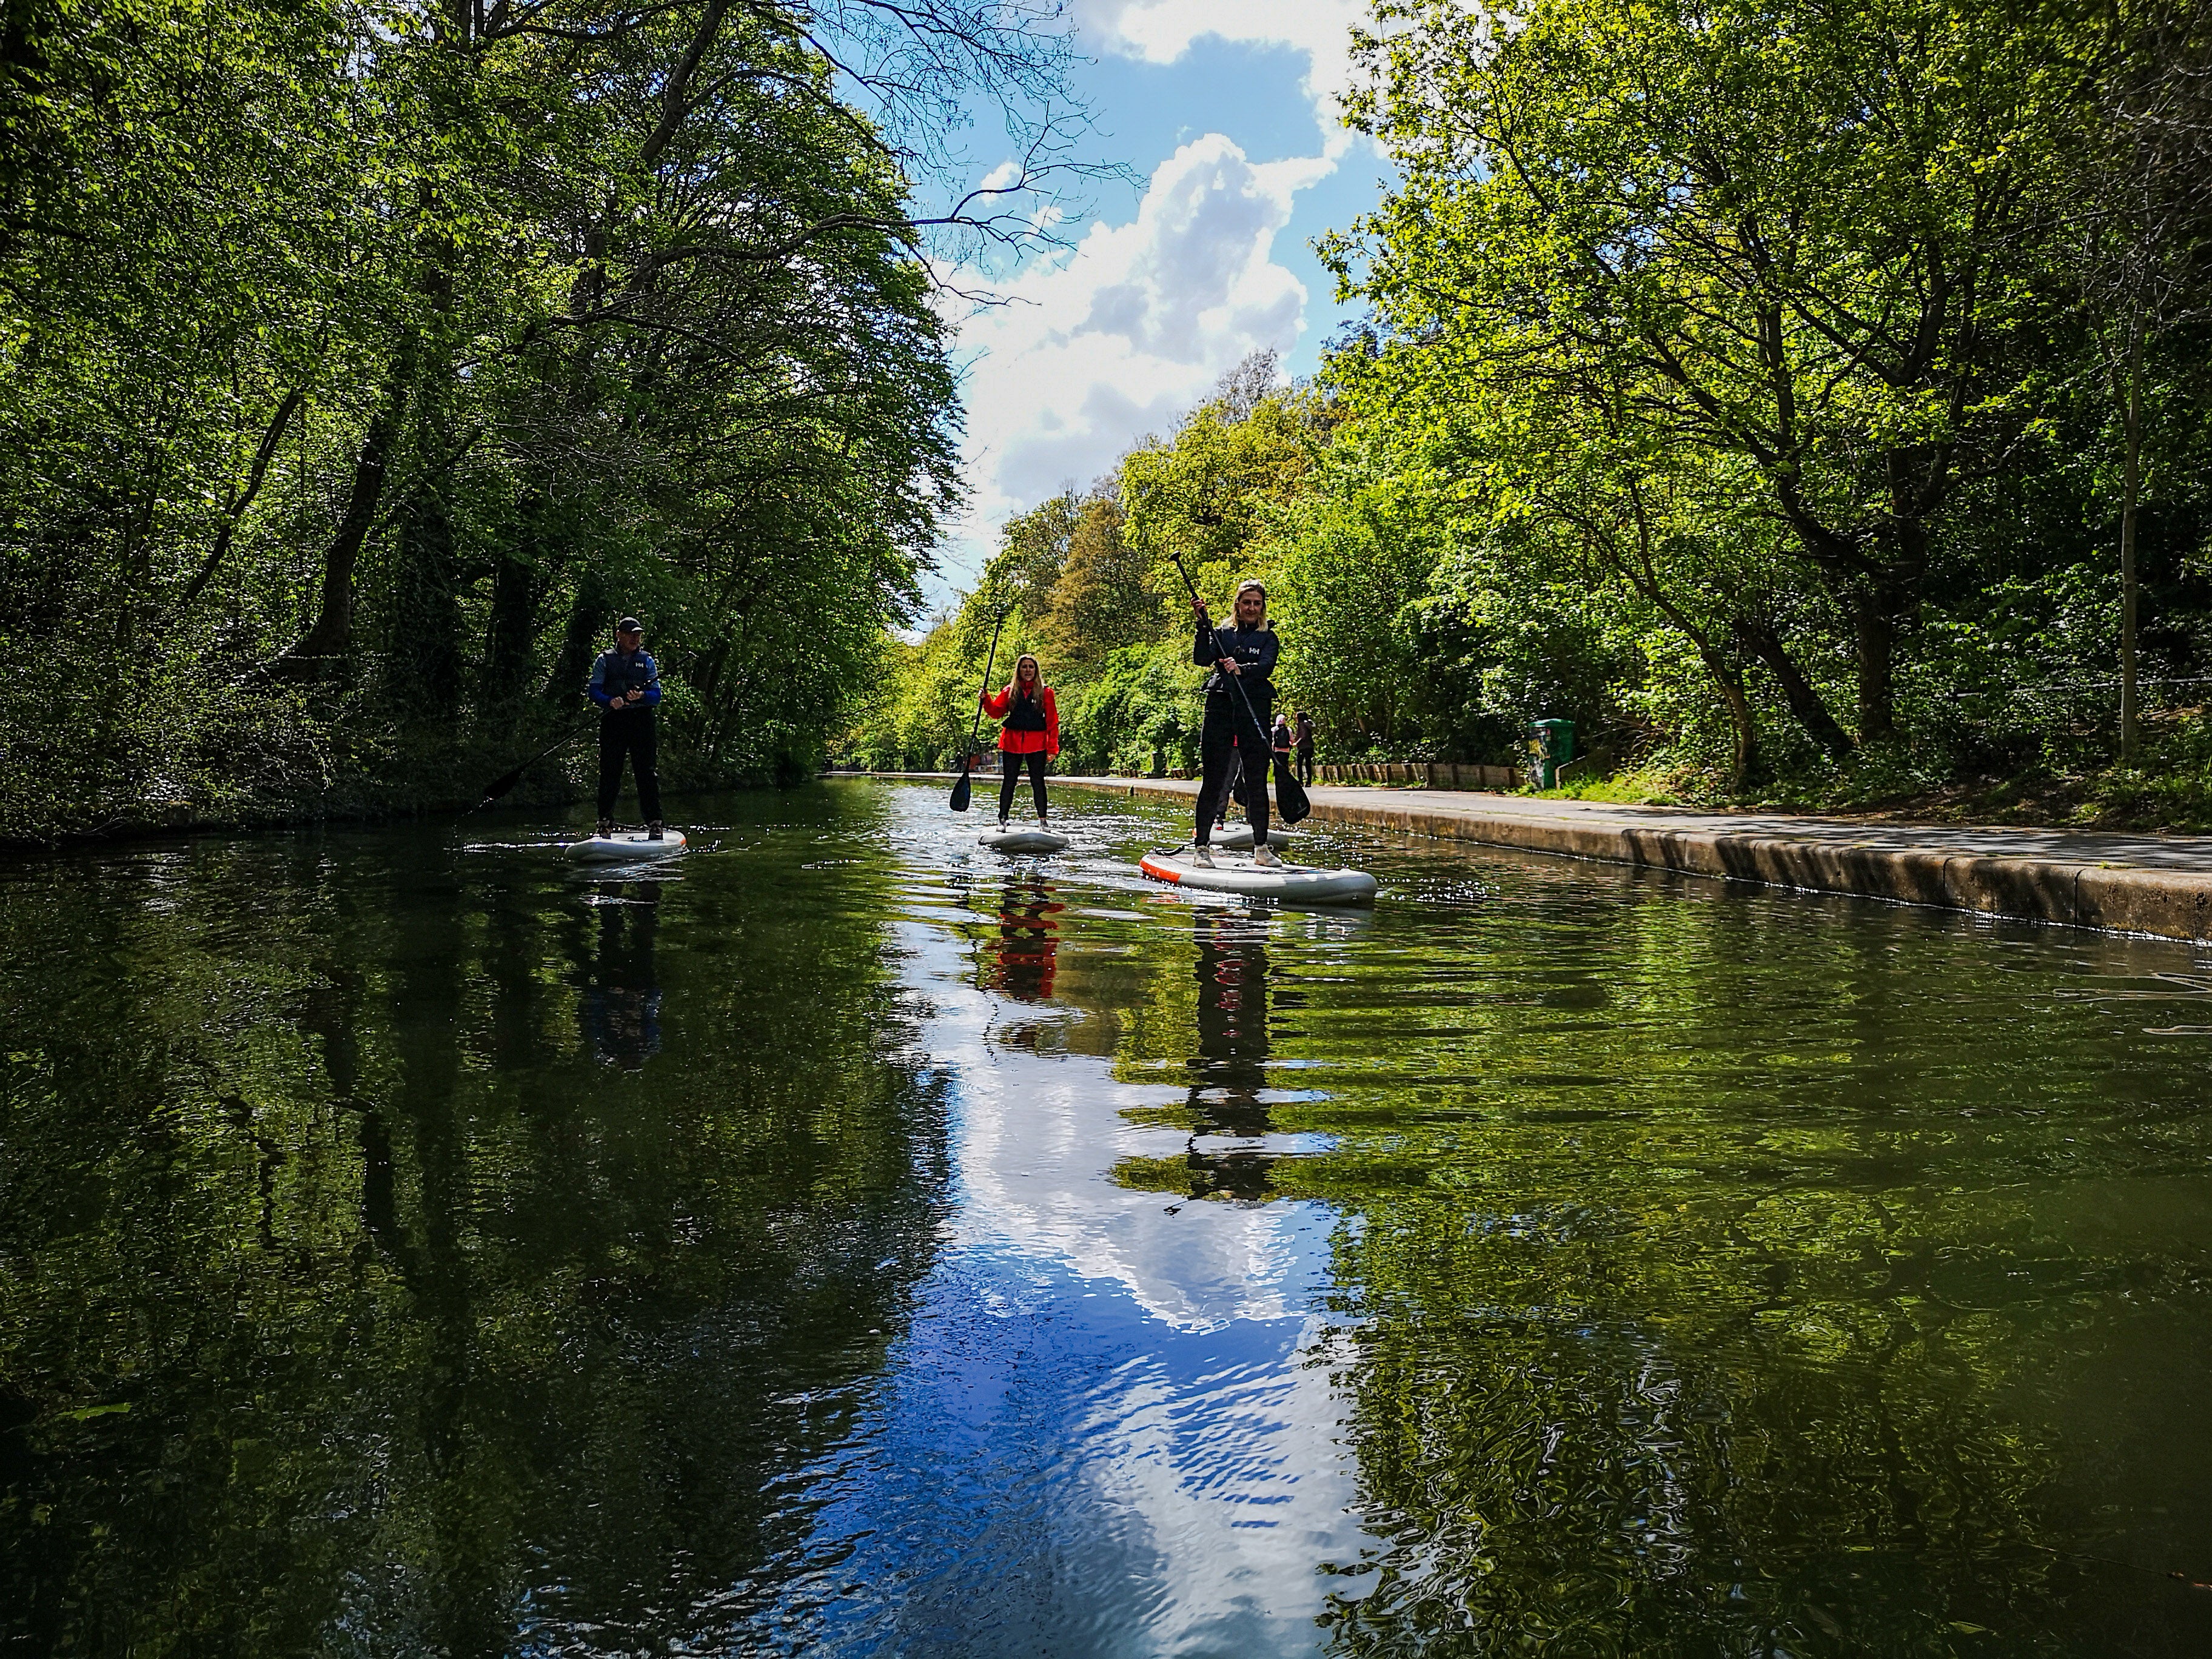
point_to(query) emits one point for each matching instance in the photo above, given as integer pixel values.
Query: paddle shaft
(506, 781)
(961, 788)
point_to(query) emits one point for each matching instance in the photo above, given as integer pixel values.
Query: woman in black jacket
(1243, 659)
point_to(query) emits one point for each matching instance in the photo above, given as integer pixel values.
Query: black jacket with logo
(1255, 650)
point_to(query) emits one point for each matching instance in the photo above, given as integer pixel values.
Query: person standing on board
(626, 686)
(1301, 740)
(1029, 736)
(1242, 657)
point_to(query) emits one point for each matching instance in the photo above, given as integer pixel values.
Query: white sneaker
(1264, 856)
(1202, 857)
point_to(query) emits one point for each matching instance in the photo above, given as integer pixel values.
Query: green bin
(1551, 745)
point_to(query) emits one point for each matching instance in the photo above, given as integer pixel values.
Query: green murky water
(848, 1242)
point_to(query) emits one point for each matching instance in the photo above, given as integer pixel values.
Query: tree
(356, 370)
(1214, 493)
(1794, 239)
(2140, 250)
(1104, 599)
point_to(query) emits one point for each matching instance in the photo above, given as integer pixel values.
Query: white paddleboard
(1021, 840)
(626, 848)
(1238, 839)
(1299, 883)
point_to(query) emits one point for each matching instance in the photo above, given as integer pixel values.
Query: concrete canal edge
(2111, 897)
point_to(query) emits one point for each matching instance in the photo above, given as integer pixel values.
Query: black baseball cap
(629, 625)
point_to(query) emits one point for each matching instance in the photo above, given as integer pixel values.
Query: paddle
(967, 757)
(1290, 802)
(506, 781)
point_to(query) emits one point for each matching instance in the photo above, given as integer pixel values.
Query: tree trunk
(587, 617)
(331, 638)
(425, 652)
(235, 514)
(1805, 702)
(1877, 659)
(510, 631)
(1746, 767)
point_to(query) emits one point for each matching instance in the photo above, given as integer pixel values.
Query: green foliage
(356, 369)
(1106, 595)
(1215, 495)
(1737, 383)
(1138, 713)
(1358, 554)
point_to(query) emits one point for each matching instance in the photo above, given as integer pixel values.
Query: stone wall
(1422, 774)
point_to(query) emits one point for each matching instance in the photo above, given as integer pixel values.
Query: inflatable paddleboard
(626, 848)
(1298, 882)
(1021, 840)
(1239, 838)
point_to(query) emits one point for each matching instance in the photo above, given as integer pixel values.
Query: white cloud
(1123, 334)
(1130, 328)
(1161, 30)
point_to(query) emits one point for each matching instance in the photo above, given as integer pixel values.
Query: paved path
(2159, 884)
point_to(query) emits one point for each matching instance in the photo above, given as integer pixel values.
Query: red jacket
(1025, 742)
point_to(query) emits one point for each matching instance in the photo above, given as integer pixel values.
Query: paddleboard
(1299, 883)
(626, 848)
(1023, 841)
(1239, 839)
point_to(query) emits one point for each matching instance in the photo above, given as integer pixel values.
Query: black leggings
(631, 735)
(1013, 765)
(1227, 737)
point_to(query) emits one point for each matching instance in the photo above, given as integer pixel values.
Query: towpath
(2142, 883)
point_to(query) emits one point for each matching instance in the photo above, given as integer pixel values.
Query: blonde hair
(1250, 585)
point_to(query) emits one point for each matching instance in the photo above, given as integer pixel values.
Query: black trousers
(1013, 775)
(1227, 737)
(1305, 766)
(629, 736)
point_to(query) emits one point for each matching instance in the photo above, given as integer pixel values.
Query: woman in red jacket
(1030, 734)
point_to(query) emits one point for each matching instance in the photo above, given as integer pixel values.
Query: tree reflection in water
(342, 1302)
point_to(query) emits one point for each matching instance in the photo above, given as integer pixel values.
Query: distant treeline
(1797, 397)
(359, 364)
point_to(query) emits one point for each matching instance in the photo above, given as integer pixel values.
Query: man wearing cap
(627, 687)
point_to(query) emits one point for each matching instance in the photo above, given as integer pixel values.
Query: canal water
(845, 1241)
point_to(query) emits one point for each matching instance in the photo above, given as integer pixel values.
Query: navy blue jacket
(1255, 650)
(613, 673)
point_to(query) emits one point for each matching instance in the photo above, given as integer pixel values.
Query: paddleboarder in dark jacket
(1242, 656)
(626, 685)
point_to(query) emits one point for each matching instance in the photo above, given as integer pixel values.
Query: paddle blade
(960, 788)
(1290, 802)
(499, 785)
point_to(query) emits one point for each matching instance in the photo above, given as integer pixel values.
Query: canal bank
(2155, 884)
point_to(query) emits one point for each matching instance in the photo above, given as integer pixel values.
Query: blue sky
(1226, 111)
